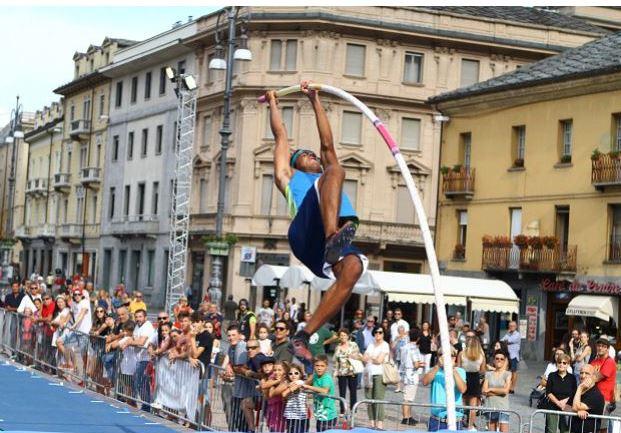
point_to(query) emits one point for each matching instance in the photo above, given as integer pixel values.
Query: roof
(522, 14)
(598, 57)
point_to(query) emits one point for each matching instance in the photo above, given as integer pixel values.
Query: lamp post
(233, 53)
(15, 134)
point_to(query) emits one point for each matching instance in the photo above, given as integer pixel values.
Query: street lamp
(221, 61)
(15, 134)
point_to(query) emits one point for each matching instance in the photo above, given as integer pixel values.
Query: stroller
(537, 393)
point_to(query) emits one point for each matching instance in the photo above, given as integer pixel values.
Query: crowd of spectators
(252, 351)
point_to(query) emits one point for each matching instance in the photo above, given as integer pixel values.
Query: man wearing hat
(605, 370)
(324, 221)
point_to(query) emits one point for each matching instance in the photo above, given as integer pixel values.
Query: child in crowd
(275, 385)
(128, 361)
(296, 412)
(321, 382)
(27, 343)
(412, 363)
(265, 344)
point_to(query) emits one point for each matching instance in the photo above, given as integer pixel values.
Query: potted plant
(519, 162)
(488, 241)
(565, 159)
(596, 155)
(521, 241)
(457, 168)
(444, 170)
(535, 242)
(459, 252)
(550, 242)
(219, 245)
(614, 154)
(502, 242)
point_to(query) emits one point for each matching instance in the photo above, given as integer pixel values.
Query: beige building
(394, 68)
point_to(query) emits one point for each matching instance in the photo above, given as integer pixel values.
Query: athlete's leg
(347, 272)
(330, 186)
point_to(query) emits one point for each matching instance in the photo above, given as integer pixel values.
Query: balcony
(80, 129)
(37, 187)
(529, 259)
(70, 231)
(135, 226)
(458, 183)
(386, 232)
(23, 233)
(46, 231)
(62, 182)
(90, 176)
(605, 170)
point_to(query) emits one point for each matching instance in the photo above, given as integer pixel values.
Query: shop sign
(576, 286)
(532, 308)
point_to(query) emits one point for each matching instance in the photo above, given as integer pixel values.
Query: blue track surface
(30, 402)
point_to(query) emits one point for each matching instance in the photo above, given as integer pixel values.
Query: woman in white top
(580, 355)
(376, 354)
(62, 322)
(472, 359)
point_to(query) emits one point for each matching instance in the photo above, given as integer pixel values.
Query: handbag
(390, 374)
(356, 365)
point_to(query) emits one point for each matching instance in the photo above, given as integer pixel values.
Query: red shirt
(608, 369)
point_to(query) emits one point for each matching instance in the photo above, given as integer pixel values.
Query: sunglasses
(499, 359)
(162, 318)
(378, 332)
(296, 373)
(252, 347)
(563, 362)
(100, 311)
(584, 373)
(280, 328)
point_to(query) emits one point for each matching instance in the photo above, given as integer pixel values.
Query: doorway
(516, 229)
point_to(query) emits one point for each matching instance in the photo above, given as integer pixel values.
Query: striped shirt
(295, 408)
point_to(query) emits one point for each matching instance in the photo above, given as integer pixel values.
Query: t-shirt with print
(438, 394)
(86, 323)
(325, 408)
(315, 342)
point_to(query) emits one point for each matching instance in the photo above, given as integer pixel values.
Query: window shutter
(275, 55)
(267, 182)
(207, 131)
(410, 134)
(291, 55)
(355, 59)
(350, 188)
(287, 118)
(281, 203)
(405, 208)
(412, 72)
(351, 128)
(469, 72)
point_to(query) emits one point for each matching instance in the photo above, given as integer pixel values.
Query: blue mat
(30, 402)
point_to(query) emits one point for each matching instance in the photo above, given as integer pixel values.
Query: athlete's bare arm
(282, 170)
(328, 154)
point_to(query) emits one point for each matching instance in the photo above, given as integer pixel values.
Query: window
(175, 135)
(155, 198)
(94, 209)
(466, 149)
(202, 199)
(130, 145)
(145, 142)
(115, 148)
(126, 200)
(469, 72)
(413, 68)
(405, 208)
(354, 63)
(140, 200)
(283, 60)
(150, 267)
(83, 156)
(181, 67)
(615, 233)
(122, 265)
(410, 134)
(562, 226)
(163, 79)
(518, 144)
(134, 90)
(102, 104)
(566, 139)
(207, 131)
(159, 134)
(119, 94)
(616, 132)
(72, 113)
(79, 209)
(267, 182)
(86, 109)
(350, 188)
(287, 119)
(147, 85)
(462, 232)
(351, 127)
(112, 200)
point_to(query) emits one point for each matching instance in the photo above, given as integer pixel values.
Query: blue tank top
(298, 187)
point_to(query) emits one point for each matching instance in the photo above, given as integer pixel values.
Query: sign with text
(576, 286)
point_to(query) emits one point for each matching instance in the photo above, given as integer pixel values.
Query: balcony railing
(543, 260)
(62, 181)
(459, 184)
(74, 231)
(46, 231)
(80, 127)
(23, 232)
(135, 225)
(90, 176)
(605, 171)
(36, 186)
(614, 253)
(383, 232)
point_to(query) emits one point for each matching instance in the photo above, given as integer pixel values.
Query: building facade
(543, 212)
(78, 174)
(137, 183)
(394, 68)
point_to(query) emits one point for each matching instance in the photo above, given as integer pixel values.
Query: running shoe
(336, 243)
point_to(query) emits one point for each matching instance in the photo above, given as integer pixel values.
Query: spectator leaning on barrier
(436, 377)
(143, 332)
(13, 299)
(496, 387)
(109, 358)
(281, 347)
(514, 341)
(560, 390)
(588, 400)
(321, 382)
(243, 387)
(605, 374)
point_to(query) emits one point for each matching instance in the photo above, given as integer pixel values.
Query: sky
(37, 44)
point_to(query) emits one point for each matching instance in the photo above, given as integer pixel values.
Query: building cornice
(84, 82)
(35, 133)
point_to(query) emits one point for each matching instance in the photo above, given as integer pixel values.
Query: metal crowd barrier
(552, 421)
(390, 413)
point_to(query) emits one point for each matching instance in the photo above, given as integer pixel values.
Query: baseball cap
(77, 290)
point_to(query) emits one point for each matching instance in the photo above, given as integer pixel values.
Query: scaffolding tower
(180, 197)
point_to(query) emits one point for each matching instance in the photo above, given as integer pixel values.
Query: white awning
(426, 299)
(601, 307)
(268, 275)
(295, 276)
(495, 305)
